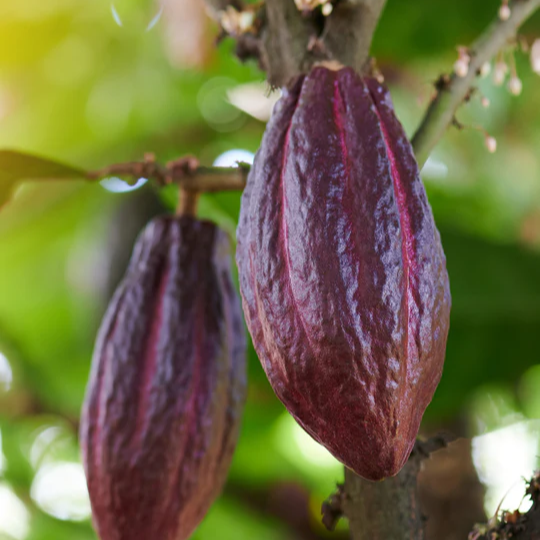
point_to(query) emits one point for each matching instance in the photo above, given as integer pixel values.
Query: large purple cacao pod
(342, 272)
(163, 405)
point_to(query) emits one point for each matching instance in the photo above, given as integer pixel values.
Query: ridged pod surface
(163, 406)
(342, 272)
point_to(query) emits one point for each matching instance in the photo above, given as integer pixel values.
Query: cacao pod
(342, 273)
(164, 400)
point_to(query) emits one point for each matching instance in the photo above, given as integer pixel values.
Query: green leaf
(17, 167)
(6, 188)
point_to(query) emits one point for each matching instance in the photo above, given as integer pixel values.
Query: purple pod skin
(163, 405)
(342, 273)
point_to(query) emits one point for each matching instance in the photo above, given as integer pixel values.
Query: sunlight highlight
(6, 374)
(255, 99)
(59, 489)
(301, 449)
(116, 16)
(46, 442)
(434, 169)
(117, 185)
(504, 459)
(232, 157)
(215, 107)
(155, 20)
(14, 517)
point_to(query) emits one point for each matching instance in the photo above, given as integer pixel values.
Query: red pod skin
(163, 405)
(342, 273)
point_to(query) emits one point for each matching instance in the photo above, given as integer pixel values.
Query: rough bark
(384, 510)
(349, 31)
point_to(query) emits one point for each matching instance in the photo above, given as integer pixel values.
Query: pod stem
(388, 509)
(187, 203)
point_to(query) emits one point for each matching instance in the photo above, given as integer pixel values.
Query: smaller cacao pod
(164, 400)
(342, 273)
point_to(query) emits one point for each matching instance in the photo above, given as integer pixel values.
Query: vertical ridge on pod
(407, 239)
(283, 235)
(270, 154)
(149, 359)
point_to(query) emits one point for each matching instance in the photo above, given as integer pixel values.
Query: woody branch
(452, 94)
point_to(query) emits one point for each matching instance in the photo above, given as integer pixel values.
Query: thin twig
(423, 449)
(188, 202)
(450, 96)
(332, 508)
(184, 172)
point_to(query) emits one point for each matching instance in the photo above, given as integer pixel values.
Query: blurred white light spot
(117, 185)
(435, 169)
(300, 448)
(503, 460)
(116, 16)
(535, 56)
(312, 450)
(2, 457)
(6, 375)
(44, 442)
(59, 489)
(14, 517)
(232, 157)
(215, 107)
(254, 99)
(155, 20)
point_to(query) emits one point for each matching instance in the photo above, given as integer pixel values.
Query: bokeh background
(93, 83)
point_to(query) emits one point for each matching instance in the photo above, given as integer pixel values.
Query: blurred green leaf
(528, 392)
(5, 192)
(495, 319)
(228, 520)
(18, 166)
